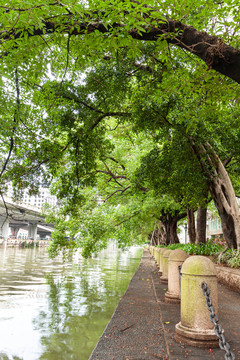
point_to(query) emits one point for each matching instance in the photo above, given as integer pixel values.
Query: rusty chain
(180, 275)
(180, 270)
(217, 327)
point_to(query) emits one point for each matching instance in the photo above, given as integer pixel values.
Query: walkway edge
(135, 330)
(161, 319)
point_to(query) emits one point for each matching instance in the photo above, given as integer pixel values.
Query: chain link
(217, 327)
(180, 270)
(180, 275)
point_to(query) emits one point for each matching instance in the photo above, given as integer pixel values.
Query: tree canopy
(129, 104)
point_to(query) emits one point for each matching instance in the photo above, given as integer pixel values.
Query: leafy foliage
(202, 249)
(210, 248)
(110, 114)
(176, 246)
(232, 258)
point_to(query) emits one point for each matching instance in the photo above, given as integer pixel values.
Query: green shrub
(232, 258)
(175, 246)
(212, 247)
(207, 249)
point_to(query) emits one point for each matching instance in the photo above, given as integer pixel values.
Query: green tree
(158, 80)
(180, 125)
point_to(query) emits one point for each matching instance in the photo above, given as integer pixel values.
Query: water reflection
(53, 310)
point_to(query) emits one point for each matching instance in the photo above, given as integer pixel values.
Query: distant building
(214, 227)
(44, 197)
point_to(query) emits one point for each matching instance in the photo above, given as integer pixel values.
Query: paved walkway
(142, 326)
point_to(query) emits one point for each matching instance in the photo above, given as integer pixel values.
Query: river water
(56, 310)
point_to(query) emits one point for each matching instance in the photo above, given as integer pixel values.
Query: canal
(55, 309)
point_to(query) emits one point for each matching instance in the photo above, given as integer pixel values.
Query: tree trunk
(228, 210)
(167, 232)
(225, 201)
(174, 239)
(162, 234)
(158, 235)
(153, 238)
(191, 226)
(170, 225)
(222, 192)
(201, 225)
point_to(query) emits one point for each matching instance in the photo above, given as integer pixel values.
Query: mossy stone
(178, 255)
(195, 271)
(199, 265)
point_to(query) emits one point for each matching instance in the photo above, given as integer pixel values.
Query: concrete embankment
(142, 326)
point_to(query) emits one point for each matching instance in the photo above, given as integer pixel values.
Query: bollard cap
(161, 250)
(166, 253)
(178, 255)
(198, 265)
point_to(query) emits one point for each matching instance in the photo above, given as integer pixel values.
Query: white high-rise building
(44, 197)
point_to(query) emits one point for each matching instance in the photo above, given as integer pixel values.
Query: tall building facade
(44, 197)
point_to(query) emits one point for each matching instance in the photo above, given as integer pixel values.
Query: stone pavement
(142, 326)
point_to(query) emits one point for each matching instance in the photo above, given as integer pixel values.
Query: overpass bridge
(17, 215)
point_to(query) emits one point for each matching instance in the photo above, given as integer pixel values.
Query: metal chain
(179, 270)
(180, 275)
(217, 327)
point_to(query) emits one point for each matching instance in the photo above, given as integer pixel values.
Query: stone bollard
(176, 258)
(195, 327)
(151, 249)
(164, 277)
(158, 257)
(162, 250)
(154, 253)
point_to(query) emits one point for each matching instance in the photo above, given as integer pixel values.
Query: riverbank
(142, 326)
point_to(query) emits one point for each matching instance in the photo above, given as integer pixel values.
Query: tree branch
(8, 8)
(129, 217)
(74, 98)
(118, 113)
(212, 50)
(112, 175)
(116, 161)
(119, 190)
(14, 124)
